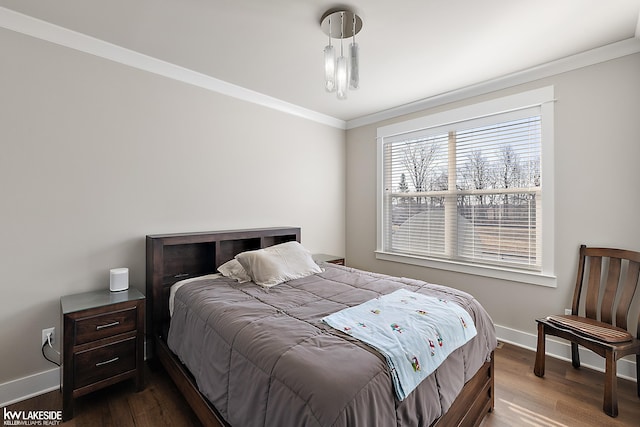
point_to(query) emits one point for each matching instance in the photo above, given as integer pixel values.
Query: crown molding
(52, 33)
(24, 24)
(569, 63)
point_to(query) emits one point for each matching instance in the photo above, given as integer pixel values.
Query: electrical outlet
(567, 311)
(44, 335)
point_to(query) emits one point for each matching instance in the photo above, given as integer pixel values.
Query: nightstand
(328, 258)
(102, 339)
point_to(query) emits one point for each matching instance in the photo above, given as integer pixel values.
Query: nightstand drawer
(104, 362)
(105, 325)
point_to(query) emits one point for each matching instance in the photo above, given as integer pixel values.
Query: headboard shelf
(181, 261)
(227, 249)
(178, 256)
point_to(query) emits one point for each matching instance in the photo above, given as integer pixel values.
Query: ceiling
(410, 50)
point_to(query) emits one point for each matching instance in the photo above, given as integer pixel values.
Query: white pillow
(234, 270)
(276, 264)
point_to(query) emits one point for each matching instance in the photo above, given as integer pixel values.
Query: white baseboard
(46, 381)
(30, 386)
(562, 350)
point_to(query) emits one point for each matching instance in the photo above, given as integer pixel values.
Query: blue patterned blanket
(414, 332)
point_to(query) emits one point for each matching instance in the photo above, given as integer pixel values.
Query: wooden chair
(601, 322)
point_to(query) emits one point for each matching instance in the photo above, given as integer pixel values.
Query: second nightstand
(328, 258)
(103, 334)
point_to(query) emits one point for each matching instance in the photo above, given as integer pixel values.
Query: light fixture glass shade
(329, 68)
(354, 69)
(342, 69)
(342, 77)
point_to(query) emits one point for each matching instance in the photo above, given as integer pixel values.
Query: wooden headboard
(178, 256)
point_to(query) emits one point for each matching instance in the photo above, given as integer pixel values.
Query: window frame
(542, 98)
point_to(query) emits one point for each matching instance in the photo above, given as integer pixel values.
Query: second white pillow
(234, 270)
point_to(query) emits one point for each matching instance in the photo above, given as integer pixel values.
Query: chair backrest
(611, 279)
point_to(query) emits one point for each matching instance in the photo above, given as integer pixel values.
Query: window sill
(529, 277)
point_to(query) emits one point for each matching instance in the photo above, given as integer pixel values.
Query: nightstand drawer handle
(178, 276)
(108, 325)
(106, 362)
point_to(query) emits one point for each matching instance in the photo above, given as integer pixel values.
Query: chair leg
(575, 355)
(638, 373)
(610, 405)
(538, 368)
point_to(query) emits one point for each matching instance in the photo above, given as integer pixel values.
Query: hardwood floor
(564, 397)
(159, 404)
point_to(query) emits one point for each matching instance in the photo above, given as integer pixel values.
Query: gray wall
(597, 151)
(95, 155)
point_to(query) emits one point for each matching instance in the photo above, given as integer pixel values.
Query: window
(471, 189)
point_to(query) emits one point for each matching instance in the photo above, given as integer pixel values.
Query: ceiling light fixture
(341, 74)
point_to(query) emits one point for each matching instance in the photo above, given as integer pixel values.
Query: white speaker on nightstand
(119, 279)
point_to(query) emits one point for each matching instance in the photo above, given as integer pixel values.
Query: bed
(204, 375)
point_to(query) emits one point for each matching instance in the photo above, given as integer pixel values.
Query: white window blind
(468, 191)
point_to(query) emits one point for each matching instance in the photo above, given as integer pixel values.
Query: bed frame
(178, 256)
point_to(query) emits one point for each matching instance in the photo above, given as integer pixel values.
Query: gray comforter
(264, 358)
